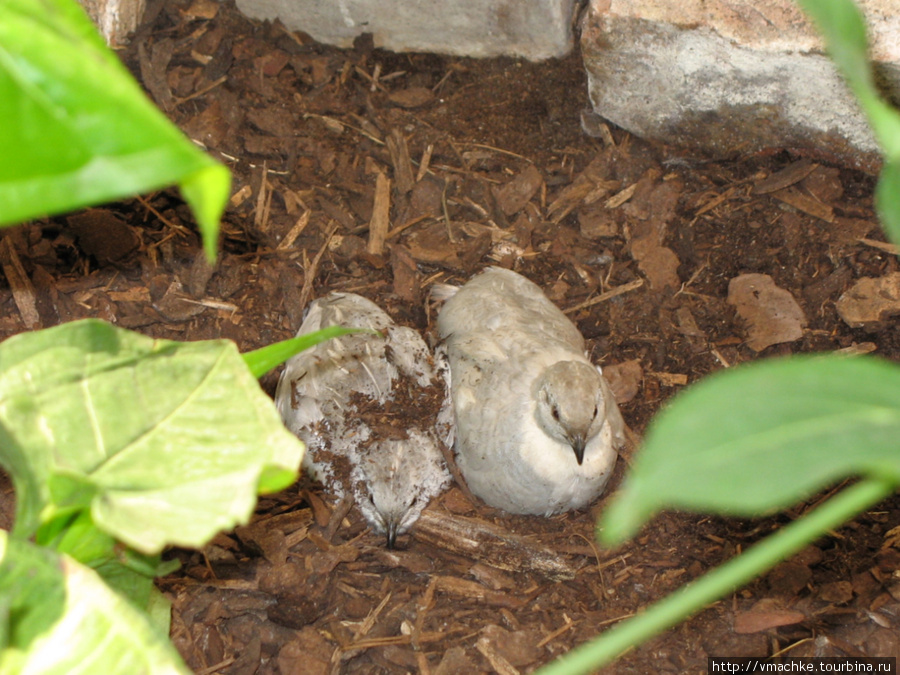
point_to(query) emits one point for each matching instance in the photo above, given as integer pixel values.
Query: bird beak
(578, 446)
(391, 534)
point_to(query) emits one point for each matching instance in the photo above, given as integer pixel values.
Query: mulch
(378, 173)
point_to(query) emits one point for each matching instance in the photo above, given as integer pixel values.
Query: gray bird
(536, 426)
(364, 405)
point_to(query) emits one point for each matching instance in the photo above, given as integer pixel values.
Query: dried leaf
(871, 301)
(771, 313)
(757, 621)
(414, 97)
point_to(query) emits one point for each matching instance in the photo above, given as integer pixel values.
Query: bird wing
(504, 307)
(613, 414)
(409, 353)
(445, 426)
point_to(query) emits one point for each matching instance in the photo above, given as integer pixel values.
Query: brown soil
(488, 164)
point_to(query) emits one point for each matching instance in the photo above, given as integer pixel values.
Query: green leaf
(63, 619)
(31, 587)
(844, 29)
(133, 584)
(887, 199)
(78, 538)
(76, 129)
(159, 611)
(261, 361)
(207, 191)
(274, 479)
(761, 437)
(720, 582)
(169, 440)
(126, 571)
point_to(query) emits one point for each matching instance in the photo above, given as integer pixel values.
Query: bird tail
(442, 292)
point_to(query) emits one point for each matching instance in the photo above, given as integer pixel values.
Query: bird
(367, 407)
(536, 427)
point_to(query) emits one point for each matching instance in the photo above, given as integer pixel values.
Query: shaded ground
(487, 163)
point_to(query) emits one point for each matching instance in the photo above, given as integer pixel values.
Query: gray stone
(692, 86)
(535, 29)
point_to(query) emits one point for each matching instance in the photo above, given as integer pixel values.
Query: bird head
(391, 489)
(570, 404)
(389, 515)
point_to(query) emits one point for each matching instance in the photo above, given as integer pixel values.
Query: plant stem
(712, 586)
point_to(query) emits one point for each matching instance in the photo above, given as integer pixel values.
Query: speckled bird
(372, 411)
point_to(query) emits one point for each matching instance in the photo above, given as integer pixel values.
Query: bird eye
(595, 411)
(555, 412)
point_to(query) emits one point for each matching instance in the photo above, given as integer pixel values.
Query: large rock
(115, 19)
(535, 29)
(726, 77)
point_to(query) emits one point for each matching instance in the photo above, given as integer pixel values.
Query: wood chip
(432, 244)
(603, 188)
(498, 663)
(263, 201)
(857, 349)
(393, 640)
(240, 196)
(309, 274)
(788, 176)
(46, 296)
(670, 379)
(482, 541)
(559, 631)
(423, 606)
(198, 275)
(715, 201)
(805, 203)
(584, 186)
(838, 592)
(687, 325)
(595, 221)
(295, 231)
(513, 196)
(422, 663)
(22, 289)
(372, 617)
(381, 215)
(569, 198)
(407, 284)
(103, 235)
(153, 64)
(893, 249)
(595, 126)
(475, 591)
(608, 295)
(620, 197)
(425, 162)
(403, 171)
(134, 294)
(202, 9)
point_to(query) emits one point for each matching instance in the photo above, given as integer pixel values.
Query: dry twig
(22, 288)
(480, 540)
